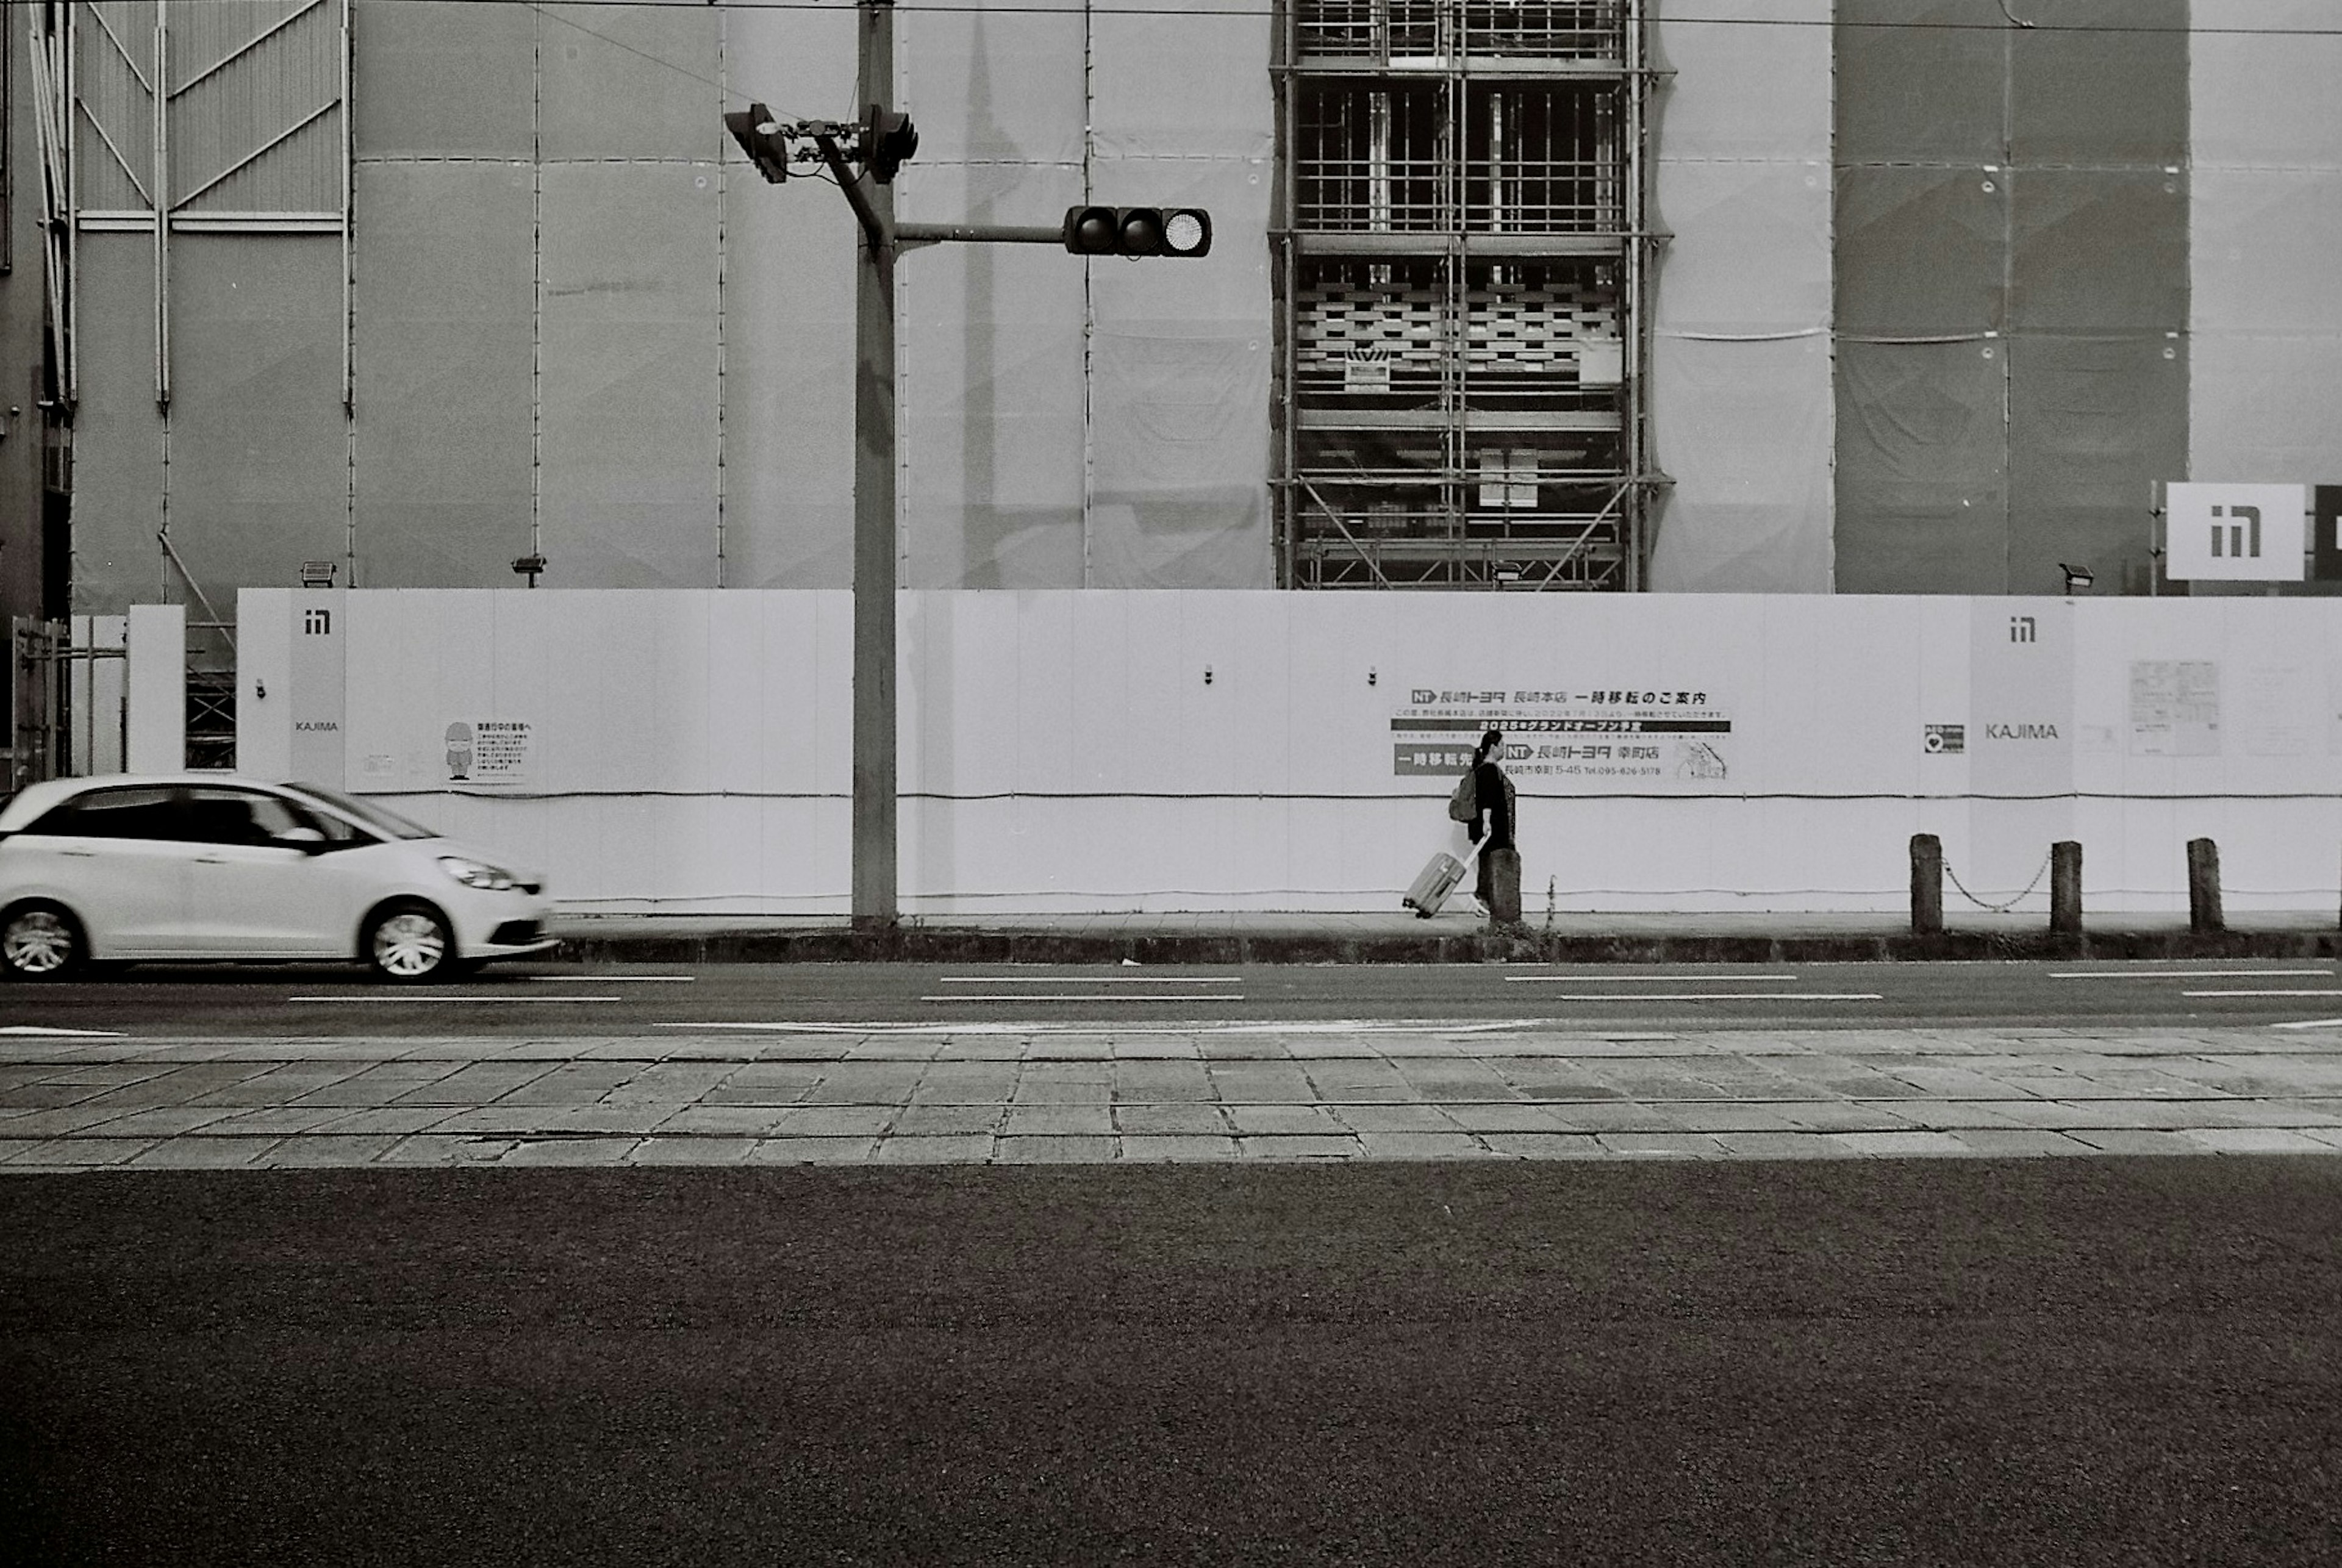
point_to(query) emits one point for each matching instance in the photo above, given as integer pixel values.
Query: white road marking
(1719, 996)
(2330, 991)
(1083, 996)
(612, 979)
(1648, 979)
(46, 1033)
(1089, 979)
(2311, 1024)
(1197, 1026)
(437, 996)
(2185, 973)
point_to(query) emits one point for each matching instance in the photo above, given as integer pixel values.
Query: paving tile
(1058, 1121)
(278, 1119)
(1063, 1092)
(933, 1149)
(1401, 1118)
(1902, 1145)
(444, 1149)
(57, 1152)
(1714, 1118)
(1779, 1146)
(947, 1120)
(2136, 1141)
(1425, 1146)
(1663, 1146)
(835, 1121)
(1253, 1120)
(1548, 1145)
(569, 1152)
(203, 1153)
(1176, 1146)
(1621, 1117)
(1171, 1120)
(746, 1121)
(310, 1152)
(2014, 1142)
(400, 1118)
(57, 1124)
(2260, 1140)
(680, 1150)
(812, 1151)
(167, 1122)
(1030, 1151)
(1505, 1118)
(1297, 1146)
(1839, 1116)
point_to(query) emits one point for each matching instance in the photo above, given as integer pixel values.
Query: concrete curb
(948, 945)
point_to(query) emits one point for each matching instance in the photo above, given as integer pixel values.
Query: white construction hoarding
(690, 751)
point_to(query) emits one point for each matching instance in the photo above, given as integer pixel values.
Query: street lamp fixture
(2077, 578)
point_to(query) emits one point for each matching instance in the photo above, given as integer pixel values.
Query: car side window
(135, 812)
(238, 817)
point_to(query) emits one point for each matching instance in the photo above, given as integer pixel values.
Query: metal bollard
(2203, 886)
(1927, 884)
(2065, 887)
(1505, 886)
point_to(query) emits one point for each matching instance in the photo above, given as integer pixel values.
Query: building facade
(1754, 295)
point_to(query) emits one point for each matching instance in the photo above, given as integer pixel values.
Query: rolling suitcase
(1430, 890)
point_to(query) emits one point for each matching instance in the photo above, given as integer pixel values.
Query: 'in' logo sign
(317, 623)
(2239, 534)
(2020, 628)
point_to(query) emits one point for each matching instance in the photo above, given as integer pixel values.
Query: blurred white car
(214, 866)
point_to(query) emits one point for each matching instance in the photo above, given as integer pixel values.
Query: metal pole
(875, 883)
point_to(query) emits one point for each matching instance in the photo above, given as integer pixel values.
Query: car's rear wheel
(40, 940)
(410, 942)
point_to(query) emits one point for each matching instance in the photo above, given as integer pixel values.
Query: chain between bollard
(1999, 908)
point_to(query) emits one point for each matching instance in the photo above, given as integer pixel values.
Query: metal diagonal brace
(875, 229)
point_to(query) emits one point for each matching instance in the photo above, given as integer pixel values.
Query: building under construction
(1810, 295)
(1461, 264)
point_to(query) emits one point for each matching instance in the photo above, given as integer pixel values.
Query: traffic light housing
(760, 135)
(1137, 231)
(888, 140)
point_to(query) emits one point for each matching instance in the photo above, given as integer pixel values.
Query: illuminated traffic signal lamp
(1137, 231)
(760, 135)
(888, 140)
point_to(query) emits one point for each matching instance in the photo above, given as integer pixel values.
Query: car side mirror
(303, 838)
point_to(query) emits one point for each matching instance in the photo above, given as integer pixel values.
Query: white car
(214, 866)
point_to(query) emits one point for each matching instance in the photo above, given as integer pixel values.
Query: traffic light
(888, 140)
(760, 135)
(1137, 231)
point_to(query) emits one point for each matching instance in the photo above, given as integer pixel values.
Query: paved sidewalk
(1460, 933)
(1017, 1092)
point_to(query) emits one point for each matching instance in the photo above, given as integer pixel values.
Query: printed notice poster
(1642, 736)
(2277, 710)
(484, 752)
(2174, 708)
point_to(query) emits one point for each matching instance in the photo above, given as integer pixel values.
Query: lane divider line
(1085, 996)
(46, 1033)
(1644, 979)
(2330, 991)
(1723, 997)
(1193, 1026)
(1090, 979)
(2311, 1024)
(2186, 973)
(612, 979)
(531, 999)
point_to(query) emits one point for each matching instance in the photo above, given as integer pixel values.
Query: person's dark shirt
(1492, 796)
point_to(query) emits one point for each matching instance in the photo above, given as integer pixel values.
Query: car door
(114, 857)
(253, 893)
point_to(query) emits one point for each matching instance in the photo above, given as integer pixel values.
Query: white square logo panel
(2234, 533)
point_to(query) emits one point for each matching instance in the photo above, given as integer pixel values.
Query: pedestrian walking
(1492, 804)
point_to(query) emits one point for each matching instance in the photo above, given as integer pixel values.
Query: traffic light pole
(884, 139)
(875, 905)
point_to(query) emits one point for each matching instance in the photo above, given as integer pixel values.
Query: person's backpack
(1463, 805)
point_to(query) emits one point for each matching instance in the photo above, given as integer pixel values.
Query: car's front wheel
(40, 941)
(410, 942)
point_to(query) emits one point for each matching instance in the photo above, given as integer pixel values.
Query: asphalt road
(2061, 1362)
(574, 1000)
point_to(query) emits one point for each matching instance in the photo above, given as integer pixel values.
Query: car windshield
(377, 817)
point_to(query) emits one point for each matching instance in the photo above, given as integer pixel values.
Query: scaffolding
(1461, 264)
